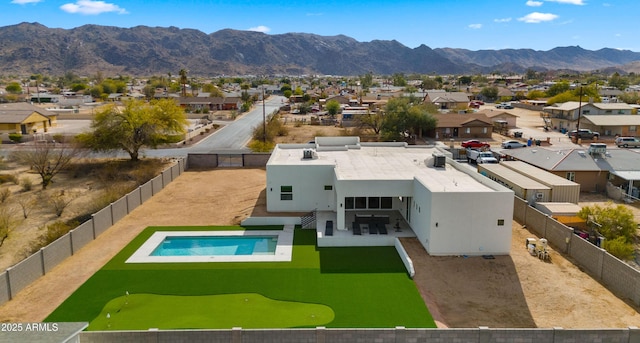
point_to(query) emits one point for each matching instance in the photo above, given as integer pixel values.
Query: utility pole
(264, 119)
(579, 113)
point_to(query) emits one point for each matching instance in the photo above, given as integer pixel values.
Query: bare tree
(27, 204)
(7, 222)
(59, 202)
(47, 159)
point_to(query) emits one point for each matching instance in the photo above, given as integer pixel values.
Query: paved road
(236, 135)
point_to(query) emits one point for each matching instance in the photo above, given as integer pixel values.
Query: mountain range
(29, 48)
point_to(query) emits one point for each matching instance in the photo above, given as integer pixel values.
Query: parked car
(625, 142)
(505, 106)
(474, 143)
(512, 144)
(584, 133)
(475, 103)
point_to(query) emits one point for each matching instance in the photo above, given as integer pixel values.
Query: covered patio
(394, 225)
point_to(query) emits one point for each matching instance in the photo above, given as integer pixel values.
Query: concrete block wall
(82, 235)
(101, 221)
(25, 272)
(519, 209)
(621, 278)
(156, 184)
(175, 171)
(5, 293)
(558, 234)
(56, 252)
(590, 259)
(119, 209)
(146, 192)
(536, 221)
(166, 177)
(391, 335)
(133, 200)
(14, 279)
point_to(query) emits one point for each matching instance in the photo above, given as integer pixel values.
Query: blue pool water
(216, 246)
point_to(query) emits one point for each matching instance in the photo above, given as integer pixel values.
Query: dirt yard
(508, 291)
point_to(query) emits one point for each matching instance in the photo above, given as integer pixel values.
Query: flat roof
(539, 174)
(380, 161)
(513, 176)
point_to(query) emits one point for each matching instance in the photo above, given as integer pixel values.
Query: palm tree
(183, 81)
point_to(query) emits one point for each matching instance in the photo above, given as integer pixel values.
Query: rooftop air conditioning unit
(597, 148)
(307, 154)
(539, 196)
(439, 160)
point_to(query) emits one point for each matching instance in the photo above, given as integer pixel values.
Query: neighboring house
(468, 125)
(612, 125)
(210, 103)
(343, 100)
(449, 208)
(24, 118)
(447, 100)
(566, 115)
(591, 169)
(501, 116)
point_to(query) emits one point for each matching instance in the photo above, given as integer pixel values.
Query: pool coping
(283, 251)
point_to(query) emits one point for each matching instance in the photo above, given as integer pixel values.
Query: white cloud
(570, 2)
(537, 17)
(90, 7)
(315, 14)
(502, 20)
(23, 2)
(475, 26)
(260, 28)
(534, 3)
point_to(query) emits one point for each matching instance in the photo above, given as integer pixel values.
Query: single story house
(496, 115)
(25, 118)
(372, 193)
(611, 125)
(467, 125)
(447, 100)
(591, 167)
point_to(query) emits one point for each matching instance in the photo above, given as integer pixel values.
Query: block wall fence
(17, 277)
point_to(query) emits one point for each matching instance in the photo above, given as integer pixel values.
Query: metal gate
(230, 160)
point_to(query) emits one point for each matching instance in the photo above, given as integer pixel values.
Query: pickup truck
(480, 157)
(584, 133)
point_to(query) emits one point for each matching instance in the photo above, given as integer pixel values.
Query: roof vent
(582, 153)
(439, 160)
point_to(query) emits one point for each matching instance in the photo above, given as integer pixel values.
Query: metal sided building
(523, 186)
(562, 190)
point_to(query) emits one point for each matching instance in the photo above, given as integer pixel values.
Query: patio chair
(328, 230)
(356, 228)
(373, 228)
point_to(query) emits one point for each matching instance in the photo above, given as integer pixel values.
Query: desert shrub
(27, 204)
(297, 123)
(59, 138)
(26, 183)
(56, 230)
(59, 202)
(260, 146)
(4, 178)
(619, 248)
(15, 137)
(7, 222)
(5, 193)
(109, 195)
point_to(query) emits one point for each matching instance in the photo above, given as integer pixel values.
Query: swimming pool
(216, 246)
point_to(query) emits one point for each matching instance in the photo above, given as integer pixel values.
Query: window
(361, 202)
(286, 192)
(374, 202)
(632, 128)
(467, 130)
(608, 111)
(571, 176)
(328, 187)
(348, 203)
(386, 203)
(500, 222)
(484, 130)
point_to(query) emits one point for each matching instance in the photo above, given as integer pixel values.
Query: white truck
(479, 156)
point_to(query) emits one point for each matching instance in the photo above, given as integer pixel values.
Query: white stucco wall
(308, 183)
(467, 223)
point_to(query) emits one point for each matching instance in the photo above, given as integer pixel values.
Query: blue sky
(474, 25)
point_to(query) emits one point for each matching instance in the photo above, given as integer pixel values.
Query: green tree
(14, 88)
(464, 80)
(138, 124)
(536, 94)
(618, 81)
(333, 107)
(490, 92)
(615, 222)
(429, 83)
(213, 90)
(298, 91)
(366, 80)
(557, 88)
(399, 80)
(372, 120)
(404, 120)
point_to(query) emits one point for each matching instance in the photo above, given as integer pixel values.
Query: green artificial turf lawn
(365, 287)
(133, 312)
